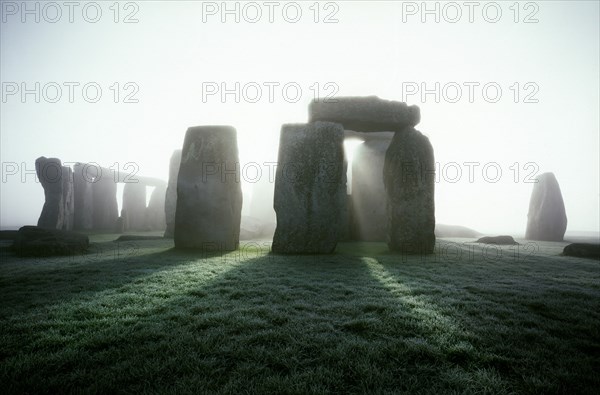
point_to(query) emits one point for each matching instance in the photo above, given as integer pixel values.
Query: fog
(538, 112)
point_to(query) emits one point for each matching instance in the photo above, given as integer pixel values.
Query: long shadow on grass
(529, 320)
(39, 282)
(239, 323)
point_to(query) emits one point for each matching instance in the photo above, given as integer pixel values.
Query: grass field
(141, 317)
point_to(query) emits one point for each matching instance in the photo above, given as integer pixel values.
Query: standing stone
(134, 205)
(83, 176)
(310, 188)
(49, 172)
(547, 219)
(409, 179)
(369, 199)
(209, 193)
(68, 198)
(171, 196)
(106, 211)
(155, 212)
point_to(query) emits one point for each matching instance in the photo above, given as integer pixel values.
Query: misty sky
(176, 51)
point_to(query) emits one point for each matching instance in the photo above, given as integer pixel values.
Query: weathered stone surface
(49, 172)
(498, 240)
(209, 193)
(582, 250)
(365, 114)
(68, 198)
(155, 212)
(310, 188)
(546, 219)
(83, 197)
(171, 195)
(369, 199)
(36, 241)
(134, 205)
(105, 209)
(409, 181)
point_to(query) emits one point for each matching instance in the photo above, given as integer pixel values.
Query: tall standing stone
(369, 199)
(209, 193)
(409, 179)
(83, 177)
(134, 205)
(171, 195)
(547, 219)
(106, 211)
(50, 174)
(310, 188)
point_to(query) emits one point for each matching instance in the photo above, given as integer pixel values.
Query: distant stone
(49, 172)
(68, 198)
(365, 114)
(209, 193)
(155, 212)
(171, 195)
(36, 241)
(547, 219)
(138, 238)
(583, 250)
(409, 178)
(83, 176)
(134, 205)
(251, 228)
(369, 200)
(499, 240)
(442, 230)
(105, 211)
(310, 188)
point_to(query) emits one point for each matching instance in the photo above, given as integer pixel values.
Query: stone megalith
(68, 198)
(209, 193)
(155, 212)
(409, 179)
(83, 179)
(369, 200)
(547, 219)
(365, 114)
(105, 211)
(49, 172)
(171, 195)
(134, 205)
(310, 188)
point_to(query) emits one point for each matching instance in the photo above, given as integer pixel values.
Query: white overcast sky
(372, 48)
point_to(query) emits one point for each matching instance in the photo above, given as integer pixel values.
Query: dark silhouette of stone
(171, 195)
(155, 212)
(134, 205)
(498, 240)
(83, 176)
(137, 238)
(37, 241)
(105, 209)
(365, 114)
(583, 250)
(547, 219)
(50, 174)
(409, 179)
(369, 199)
(310, 188)
(68, 199)
(8, 234)
(209, 194)
(442, 230)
